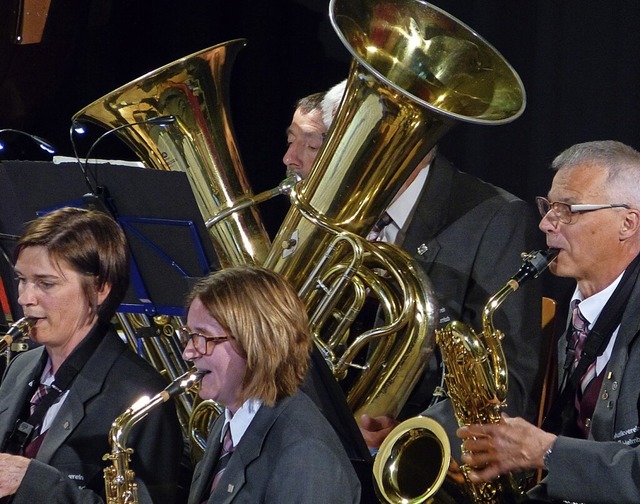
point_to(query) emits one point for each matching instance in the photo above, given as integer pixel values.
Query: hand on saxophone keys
(494, 449)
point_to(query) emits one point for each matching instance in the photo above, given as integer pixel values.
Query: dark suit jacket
(288, 454)
(606, 467)
(69, 466)
(468, 236)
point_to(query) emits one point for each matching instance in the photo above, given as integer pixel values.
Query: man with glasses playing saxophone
(590, 445)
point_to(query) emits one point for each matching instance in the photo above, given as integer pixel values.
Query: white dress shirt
(402, 209)
(590, 308)
(239, 423)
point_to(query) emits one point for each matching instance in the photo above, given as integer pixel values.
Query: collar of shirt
(239, 423)
(400, 210)
(591, 308)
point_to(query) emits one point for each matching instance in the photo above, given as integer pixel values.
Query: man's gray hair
(621, 162)
(331, 101)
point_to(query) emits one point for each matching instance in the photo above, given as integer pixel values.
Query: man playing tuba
(468, 236)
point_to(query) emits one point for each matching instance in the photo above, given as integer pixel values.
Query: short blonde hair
(267, 324)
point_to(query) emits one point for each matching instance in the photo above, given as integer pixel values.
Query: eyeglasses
(564, 211)
(199, 341)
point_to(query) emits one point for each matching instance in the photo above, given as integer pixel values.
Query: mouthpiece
(534, 263)
(18, 329)
(22, 327)
(183, 383)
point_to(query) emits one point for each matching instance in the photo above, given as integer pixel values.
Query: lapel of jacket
(603, 421)
(203, 473)
(86, 385)
(249, 449)
(431, 211)
(15, 397)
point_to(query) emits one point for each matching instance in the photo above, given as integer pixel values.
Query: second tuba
(200, 142)
(416, 71)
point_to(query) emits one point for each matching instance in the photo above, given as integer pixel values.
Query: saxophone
(18, 330)
(476, 371)
(119, 479)
(476, 379)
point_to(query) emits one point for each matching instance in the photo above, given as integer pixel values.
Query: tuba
(416, 71)
(201, 143)
(476, 380)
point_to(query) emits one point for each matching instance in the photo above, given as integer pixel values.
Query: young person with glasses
(247, 328)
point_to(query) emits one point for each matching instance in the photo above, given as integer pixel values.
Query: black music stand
(169, 242)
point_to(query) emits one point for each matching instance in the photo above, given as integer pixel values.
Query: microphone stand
(98, 196)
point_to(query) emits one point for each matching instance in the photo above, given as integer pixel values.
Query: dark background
(578, 60)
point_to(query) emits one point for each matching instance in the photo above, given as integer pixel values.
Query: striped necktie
(225, 455)
(31, 450)
(580, 333)
(587, 393)
(40, 392)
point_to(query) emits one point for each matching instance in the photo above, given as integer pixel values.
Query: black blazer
(69, 466)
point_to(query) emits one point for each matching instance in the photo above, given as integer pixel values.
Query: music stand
(169, 243)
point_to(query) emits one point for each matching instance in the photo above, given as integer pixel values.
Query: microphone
(77, 128)
(41, 142)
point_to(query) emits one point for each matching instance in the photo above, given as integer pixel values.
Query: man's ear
(631, 224)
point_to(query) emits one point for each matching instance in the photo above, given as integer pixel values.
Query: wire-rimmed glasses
(564, 211)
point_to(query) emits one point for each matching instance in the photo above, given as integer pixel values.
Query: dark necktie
(579, 334)
(374, 234)
(31, 450)
(225, 455)
(587, 392)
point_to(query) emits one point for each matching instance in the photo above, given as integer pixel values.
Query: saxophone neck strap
(595, 345)
(609, 319)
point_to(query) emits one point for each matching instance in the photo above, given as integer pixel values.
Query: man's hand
(12, 471)
(495, 449)
(375, 429)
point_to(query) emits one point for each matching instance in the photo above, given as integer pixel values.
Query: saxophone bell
(476, 380)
